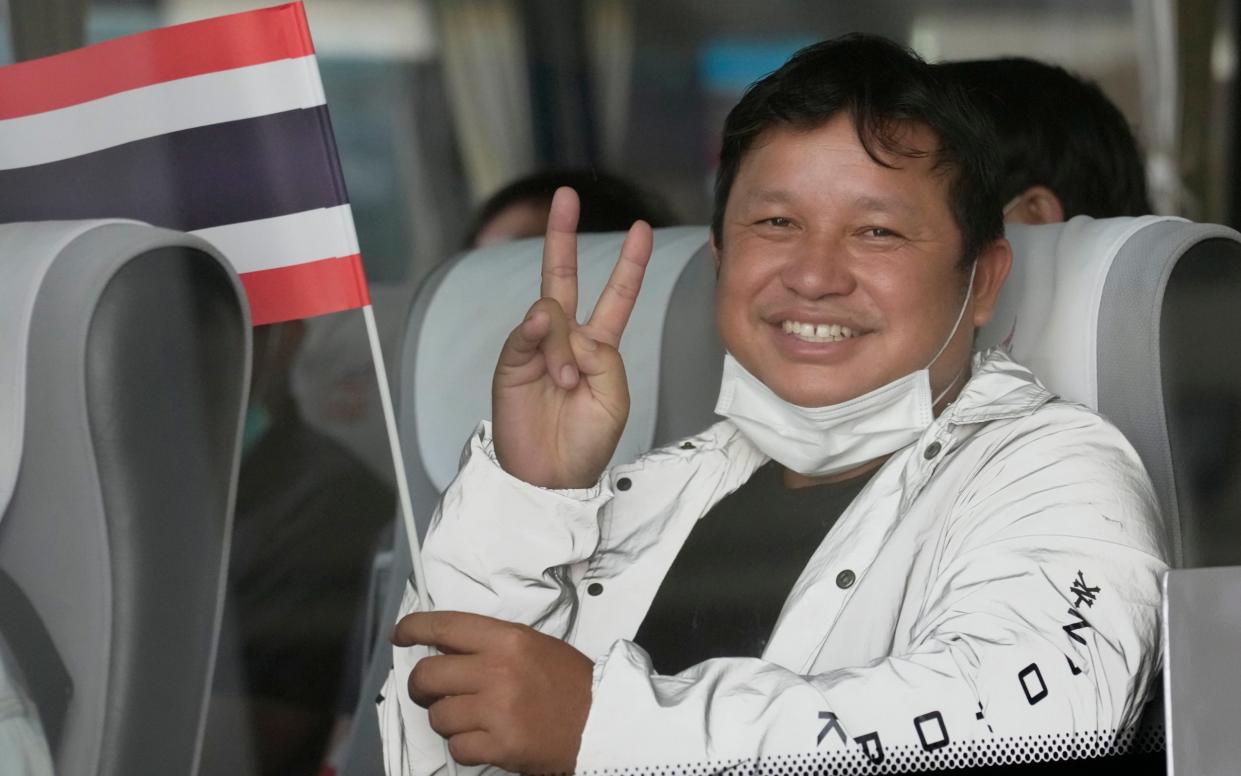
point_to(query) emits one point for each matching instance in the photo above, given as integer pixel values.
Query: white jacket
(1006, 585)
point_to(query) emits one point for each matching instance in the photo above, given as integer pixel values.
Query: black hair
(885, 88)
(1057, 130)
(609, 203)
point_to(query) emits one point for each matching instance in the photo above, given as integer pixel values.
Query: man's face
(837, 274)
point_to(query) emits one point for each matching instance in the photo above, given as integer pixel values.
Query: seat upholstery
(136, 372)
(467, 308)
(1136, 317)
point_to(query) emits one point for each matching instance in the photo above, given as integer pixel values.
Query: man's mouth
(819, 332)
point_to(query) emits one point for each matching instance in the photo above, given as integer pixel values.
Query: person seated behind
(1065, 149)
(889, 545)
(308, 515)
(608, 204)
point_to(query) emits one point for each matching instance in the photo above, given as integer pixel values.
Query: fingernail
(568, 374)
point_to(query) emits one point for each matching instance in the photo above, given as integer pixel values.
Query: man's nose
(820, 268)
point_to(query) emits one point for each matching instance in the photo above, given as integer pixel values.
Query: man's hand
(501, 693)
(560, 399)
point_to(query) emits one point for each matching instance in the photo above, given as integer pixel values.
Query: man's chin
(822, 388)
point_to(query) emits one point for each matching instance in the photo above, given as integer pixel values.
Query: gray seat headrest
(1049, 309)
(27, 250)
(477, 301)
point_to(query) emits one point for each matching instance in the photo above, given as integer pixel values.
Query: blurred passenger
(1065, 149)
(307, 518)
(609, 204)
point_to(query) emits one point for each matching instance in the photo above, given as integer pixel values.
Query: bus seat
(1139, 318)
(123, 378)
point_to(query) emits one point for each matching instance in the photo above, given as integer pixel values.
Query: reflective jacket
(997, 582)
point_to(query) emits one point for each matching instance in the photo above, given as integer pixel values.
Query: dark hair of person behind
(1060, 131)
(885, 88)
(609, 203)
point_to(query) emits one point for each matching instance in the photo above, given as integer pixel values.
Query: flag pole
(398, 460)
(402, 482)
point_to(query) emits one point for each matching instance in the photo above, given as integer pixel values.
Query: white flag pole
(394, 444)
(402, 483)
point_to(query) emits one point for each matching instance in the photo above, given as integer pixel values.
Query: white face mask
(818, 441)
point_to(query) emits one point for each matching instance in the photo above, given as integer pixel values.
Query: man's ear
(1036, 205)
(990, 273)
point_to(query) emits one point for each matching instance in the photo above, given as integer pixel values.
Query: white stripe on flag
(137, 114)
(285, 240)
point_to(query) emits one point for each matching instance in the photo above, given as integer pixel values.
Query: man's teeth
(822, 332)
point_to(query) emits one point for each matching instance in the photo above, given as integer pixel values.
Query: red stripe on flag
(134, 61)
(306, 290)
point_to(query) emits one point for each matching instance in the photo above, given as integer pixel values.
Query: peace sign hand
(559, 398)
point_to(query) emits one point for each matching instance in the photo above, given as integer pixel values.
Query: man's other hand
(500, 693)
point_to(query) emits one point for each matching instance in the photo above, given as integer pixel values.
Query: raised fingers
(616, 302)
(560, 251)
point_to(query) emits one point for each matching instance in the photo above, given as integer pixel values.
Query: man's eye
(879, 232)
(780, 221)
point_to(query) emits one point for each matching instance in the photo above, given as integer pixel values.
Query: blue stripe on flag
(225, 173)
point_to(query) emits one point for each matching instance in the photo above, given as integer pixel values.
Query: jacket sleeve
(1038, 628)
(496, 546)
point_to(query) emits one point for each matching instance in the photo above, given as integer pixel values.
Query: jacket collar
(999, 388)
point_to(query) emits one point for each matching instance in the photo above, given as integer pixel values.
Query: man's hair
(609, 203)
(886, 89)
(1060, 131)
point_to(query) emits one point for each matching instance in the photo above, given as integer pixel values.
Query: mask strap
(1011, 206)
(960, 315)
(948, 388)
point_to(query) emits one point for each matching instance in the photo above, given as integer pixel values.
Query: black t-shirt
(727, 585)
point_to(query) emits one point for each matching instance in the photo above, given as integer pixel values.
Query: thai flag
(217, 127)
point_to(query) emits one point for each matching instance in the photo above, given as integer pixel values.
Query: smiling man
(890, 547)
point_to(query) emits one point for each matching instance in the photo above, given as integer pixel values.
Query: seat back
(135, 372)
(1139, 318)
(466, 309)
(1202, 625)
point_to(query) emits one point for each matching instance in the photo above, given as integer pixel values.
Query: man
(888, 547)
(1066, 149)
